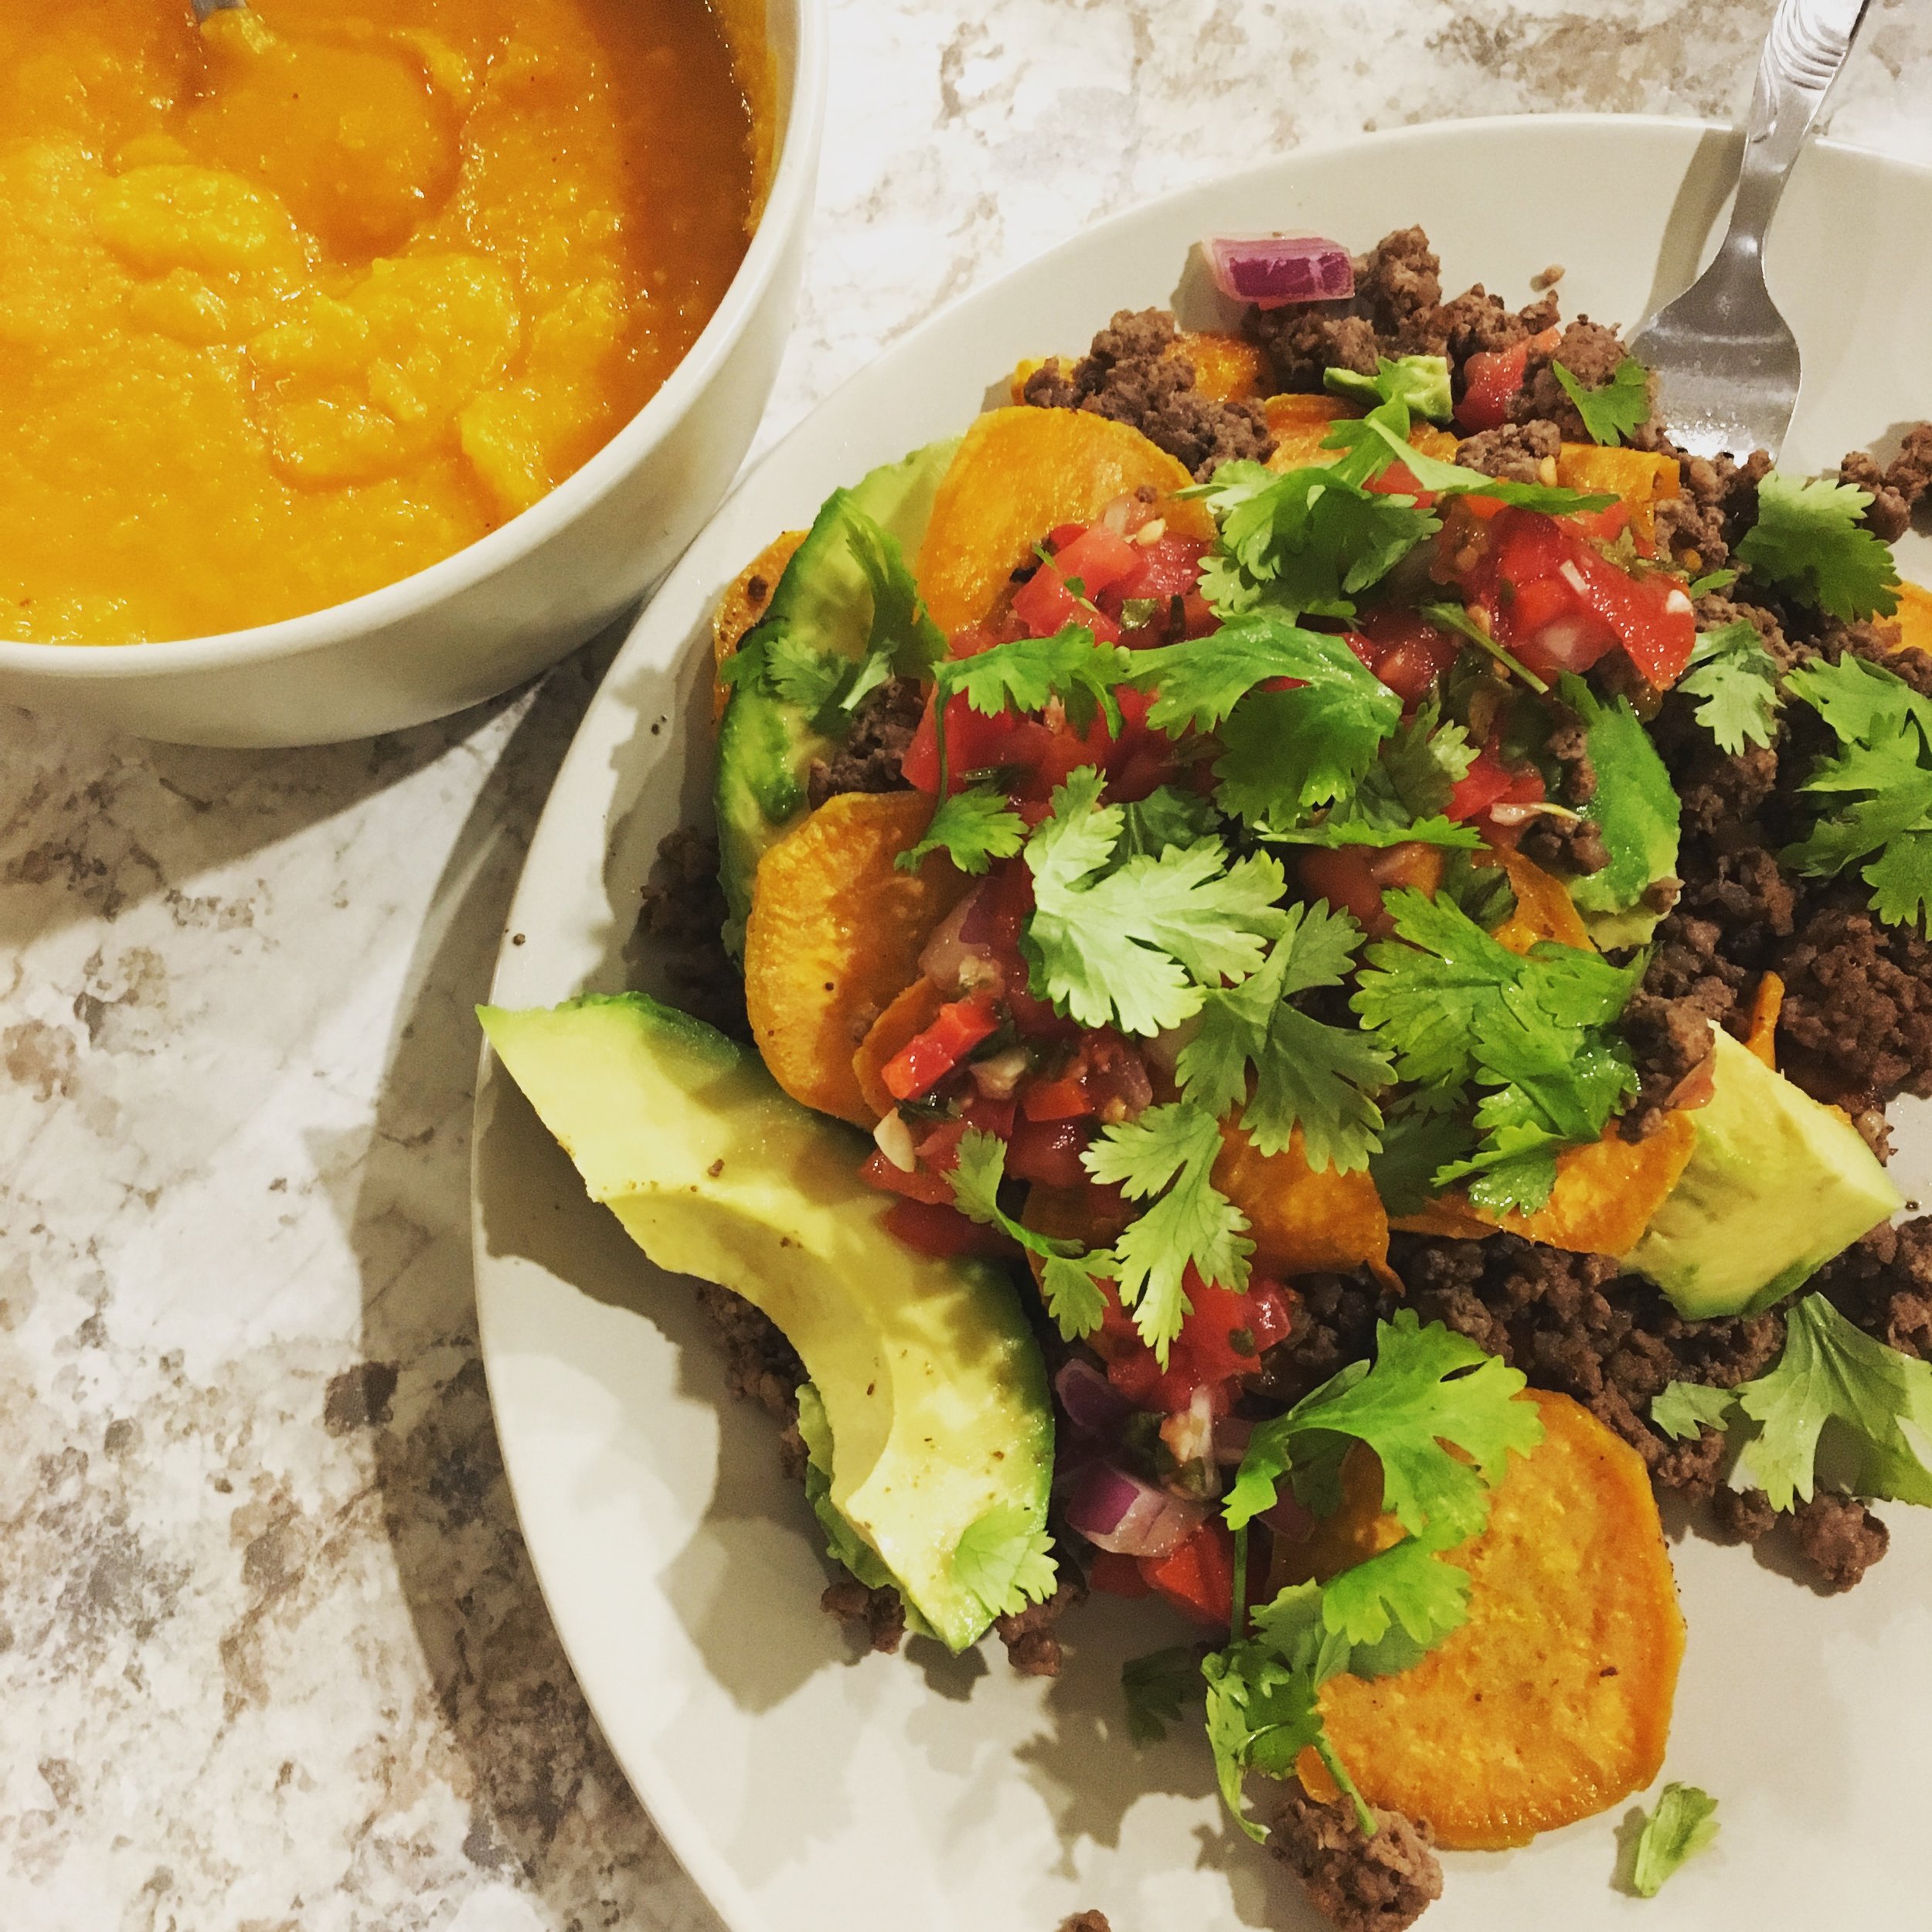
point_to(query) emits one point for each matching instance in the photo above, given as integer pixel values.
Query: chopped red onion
(1231, 1436)
(1092, 1403)
(1272, 271)
(953, 958)
(1116, 1511)
(1286, 1517)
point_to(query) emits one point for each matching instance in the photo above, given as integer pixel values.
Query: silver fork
(1726, 362)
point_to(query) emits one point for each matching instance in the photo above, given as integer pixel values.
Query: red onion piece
(1231, 1436)
(1116, 1511)
(1272, 271)
(1092, 1403)
(960, 950)
(1286, 1517)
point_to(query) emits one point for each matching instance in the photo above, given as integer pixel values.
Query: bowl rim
(788, 201)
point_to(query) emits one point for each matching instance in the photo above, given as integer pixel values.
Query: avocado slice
(826, 602)
(1777, 1185)
(1635, 811)
(931, 1381)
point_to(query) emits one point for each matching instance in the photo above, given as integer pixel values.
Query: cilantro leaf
(843, 1543)
(900, 630)
(1156, 1687)
(1419, 382)
(1634, 808)
(1835, 1382)
(1307, 542)
(1614, 410)
(1308, 1074)
(1024, 674)
(1005, 1560)
(1457, 1008)
(1684, 1822)
(1070, 1277)
(1879, 786)
(1136, 946)
(1402, 796)
(1170, 1151)
(1406, 1587)
(1165, 817)
(1474, 626)
(1733, 671)
(1809, 541)
(1711, 580)
(1685, 1409)
(1417, 1143)
(973, 828)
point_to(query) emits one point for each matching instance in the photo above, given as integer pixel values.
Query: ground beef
(1378, 1884)
(1856, 1025)
(1742, 1515)
(1888, 516)
(1135, 374)
(1667, 1024)
(1517, 450)
(1910, 473)
(1032, 1643)
(1396, 309)
(1838, 1537)
(874, 753)
(761, 1365)
(1591, 352)
(1884, 1284)
(1568, 845)
(876, 1617)
(682, 916)
(1718, 503)
(1575, 1324)
(1334, 1324)
(1086, 1922)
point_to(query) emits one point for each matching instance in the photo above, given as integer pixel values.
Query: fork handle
(1803, 52)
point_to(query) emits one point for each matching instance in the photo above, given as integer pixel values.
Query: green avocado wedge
(931, 1383)
(1777, 1185)
(846, 597)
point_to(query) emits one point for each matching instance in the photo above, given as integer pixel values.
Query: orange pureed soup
(300, 302)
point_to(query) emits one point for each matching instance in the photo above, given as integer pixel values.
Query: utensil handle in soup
(1803, 52)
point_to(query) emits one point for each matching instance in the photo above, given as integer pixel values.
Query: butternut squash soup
(301, 301)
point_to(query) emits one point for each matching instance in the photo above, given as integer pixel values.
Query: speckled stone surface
(271, 1653)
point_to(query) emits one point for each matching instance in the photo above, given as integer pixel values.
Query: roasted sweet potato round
(1553, 1702)
(834, 937)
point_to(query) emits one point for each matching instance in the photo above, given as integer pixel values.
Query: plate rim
(679, 1823)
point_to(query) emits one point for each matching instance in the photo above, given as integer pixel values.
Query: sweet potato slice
(1303, 1221)
(1544, 908)
(1606, 1192)
(1228, 368)
(834, 935)
(743, 604)
(908, 1015)
(1641, 479)
(1553, 1702)
(1017, 474)
(1767, 1003)
(1913, 617)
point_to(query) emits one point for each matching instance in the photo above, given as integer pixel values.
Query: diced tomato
(1403, 649)
(940, 1149)
(1117, 1576)
(1198, 1578)
(1526, 787)
(1048, 1152)
(928, 1057)
(922, 1183)
(1485, 781)
(1354, 877)
(1063, 590)
(1651, 616)
(1491, 379)
(1399, 480)
(1064, 1097)
(930, 1229)
(1168, 568)
(973, 743)
(989, 1115)
(1220, 1342)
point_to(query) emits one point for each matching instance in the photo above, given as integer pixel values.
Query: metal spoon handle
(1803, 52)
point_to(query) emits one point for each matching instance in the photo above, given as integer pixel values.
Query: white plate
(808, 1793)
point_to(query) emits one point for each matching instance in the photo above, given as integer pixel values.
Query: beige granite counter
(271, 1653)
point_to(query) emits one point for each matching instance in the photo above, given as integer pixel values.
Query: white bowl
(516, 601)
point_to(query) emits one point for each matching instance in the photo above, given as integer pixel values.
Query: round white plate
(808, 1792)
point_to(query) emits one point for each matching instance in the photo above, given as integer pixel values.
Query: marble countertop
(271, 1653)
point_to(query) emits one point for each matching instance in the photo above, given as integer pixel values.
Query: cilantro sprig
(1005, 1559)
(1684, 1822)
(1167, 1156)
(1834, 1389)
(1156, 1687)
(1809, 541)
(1136, 945)
(973, 828)
(1531, 1034)
(1403, 796)
(1308, 1074)
(1875, 795)
(1443, 1418)
(1614, 410)
(1734, 677)
(1420, 382)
